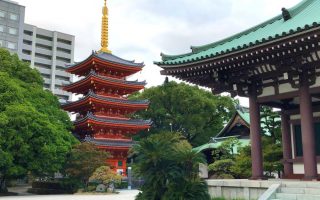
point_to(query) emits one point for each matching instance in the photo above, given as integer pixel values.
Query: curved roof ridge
(293, 11)
(166, 57)
(70, 66)
(299, 7)
(304, 16)
(115, 59)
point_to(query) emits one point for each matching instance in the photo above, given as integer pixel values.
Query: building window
(13, 31)
(13, 16)
(64, 50)
(45, 75)
(28, 32)
(42, 46)
(58, 87)
(47, 86)
(27, 61)
(27, 42)
(62, 78)
(60, 68)
(1, 28)
(39, 55)
(12, 45)
(2, 13)
(27, 52)
(44, 37)
(68, 42)
(43, 66)
(67, 60)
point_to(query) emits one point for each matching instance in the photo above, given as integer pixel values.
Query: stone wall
(238, 189)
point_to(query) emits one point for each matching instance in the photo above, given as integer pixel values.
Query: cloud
(141, 29)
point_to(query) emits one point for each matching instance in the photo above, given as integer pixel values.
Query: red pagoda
(103, 111)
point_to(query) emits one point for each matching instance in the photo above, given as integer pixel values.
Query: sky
(141, 29)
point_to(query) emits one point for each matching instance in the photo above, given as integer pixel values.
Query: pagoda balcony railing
(114, 121)
(110, 75)
(110, 99)
(116, 116)
(113, 143)
(94, 74)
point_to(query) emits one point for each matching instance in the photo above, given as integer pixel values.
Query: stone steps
(298, 191)
(313, 191)
(284, 196)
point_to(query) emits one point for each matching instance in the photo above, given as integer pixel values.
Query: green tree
(226, 150)
(34, 132)
(271, 147)
(271, 124)
(83, 160)
(242, 163)
(194, 112)
(169, 168)
(222, 169)
(223, 159)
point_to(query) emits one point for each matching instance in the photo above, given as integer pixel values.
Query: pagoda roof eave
(305, 17)
(92, 75)
(109, 58)
(136, 124)
(119, 144)
(91, 96)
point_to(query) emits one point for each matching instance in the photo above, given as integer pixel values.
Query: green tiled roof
(305, 15)
(214, 145)
(245, 115)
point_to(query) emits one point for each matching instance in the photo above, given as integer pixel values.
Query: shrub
(169, 168)
(66, 186)
(105, 175)
(121, 185)
(222, 169)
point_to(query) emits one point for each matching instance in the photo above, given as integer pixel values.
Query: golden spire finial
(105, 29)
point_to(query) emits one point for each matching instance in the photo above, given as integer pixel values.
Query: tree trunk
(3, 187)
(85, 183)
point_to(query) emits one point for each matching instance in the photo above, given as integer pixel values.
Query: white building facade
(47, 51)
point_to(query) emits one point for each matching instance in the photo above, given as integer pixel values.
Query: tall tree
(194, 112)
(83, 160)
(34, 132)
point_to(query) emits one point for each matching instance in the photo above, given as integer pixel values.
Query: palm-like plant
(169, 168)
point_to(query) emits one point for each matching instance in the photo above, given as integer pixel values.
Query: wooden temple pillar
(286, 145)
(307, 129)
(255, 136)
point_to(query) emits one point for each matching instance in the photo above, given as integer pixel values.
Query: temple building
(103, 113)
(277, 64)
(237, 127)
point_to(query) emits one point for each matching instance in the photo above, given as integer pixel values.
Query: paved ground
(123, 195)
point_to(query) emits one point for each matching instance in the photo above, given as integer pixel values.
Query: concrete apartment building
(11, 25)
(48, 51)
